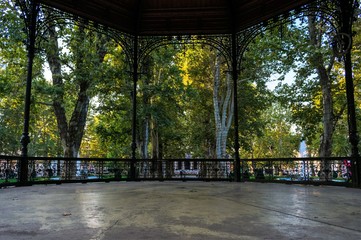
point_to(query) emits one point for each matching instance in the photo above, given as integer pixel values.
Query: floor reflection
(92, 210)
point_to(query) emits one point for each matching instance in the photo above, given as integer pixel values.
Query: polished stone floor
(179, 210)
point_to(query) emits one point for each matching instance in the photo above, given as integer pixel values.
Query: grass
(13, 180)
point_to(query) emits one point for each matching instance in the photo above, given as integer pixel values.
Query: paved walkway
(179, 210)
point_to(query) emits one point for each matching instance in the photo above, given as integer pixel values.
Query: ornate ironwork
(27, 13)
(47, 16)
(220, 42)
(329, 11)
(54, 170)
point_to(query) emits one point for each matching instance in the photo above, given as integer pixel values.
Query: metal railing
(330, 171)
(336, 171)
(59, 170)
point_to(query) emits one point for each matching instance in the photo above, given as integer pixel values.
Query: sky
(289, 78)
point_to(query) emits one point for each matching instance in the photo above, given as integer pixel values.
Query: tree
(82, 53)
(313, 96)
(323, 68)
(223, 106)
(160, 99)
(111, 121)
(199, 66)
(12, 87)
(87, 54)
(208, 75)
(163, 95)
(278, 139)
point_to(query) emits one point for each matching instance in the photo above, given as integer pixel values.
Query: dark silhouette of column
(25, 139)
(134, 102)
(347, 12)
(237, 165)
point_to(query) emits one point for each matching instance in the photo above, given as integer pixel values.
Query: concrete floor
(179, 210)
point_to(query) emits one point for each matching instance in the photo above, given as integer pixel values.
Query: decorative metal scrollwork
(342, 44)
(47, 16)
(220, 42)
(327, 10)
(29, 10)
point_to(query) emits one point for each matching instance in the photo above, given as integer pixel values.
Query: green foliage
(199, 106)
(278, 139)
(304, 96)
(13, 61)
(174, 94)
(162, 92)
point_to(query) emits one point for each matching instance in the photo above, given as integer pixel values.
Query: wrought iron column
(237, 165)
(25, 139)
(347, 12)
(134, 102)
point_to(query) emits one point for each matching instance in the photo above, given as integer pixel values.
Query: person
(50, 172)
(246, 175)
(182, 174)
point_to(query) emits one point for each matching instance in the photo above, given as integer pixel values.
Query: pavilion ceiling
(176, 17)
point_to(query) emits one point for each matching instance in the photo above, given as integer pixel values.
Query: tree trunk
(223, 114)
(145, 117)
(155, 139)
(323, 73)
(71, 133)
(223, 109)
(145, 138)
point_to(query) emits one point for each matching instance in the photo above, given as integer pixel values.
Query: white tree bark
(223, 108)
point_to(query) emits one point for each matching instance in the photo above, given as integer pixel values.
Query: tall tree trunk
(155, 140)
(157, 149)
(223, 109)
(223, 114)
(71, 133)
(155, 143)
(146, 116)
(323, 73)
(145, 138)
(53, 58)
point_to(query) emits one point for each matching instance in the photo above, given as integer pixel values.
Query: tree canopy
(82, 94)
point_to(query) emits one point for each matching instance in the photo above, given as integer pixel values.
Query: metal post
(237, 165)
(134, 102)
(25, 139)
(346, 28)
